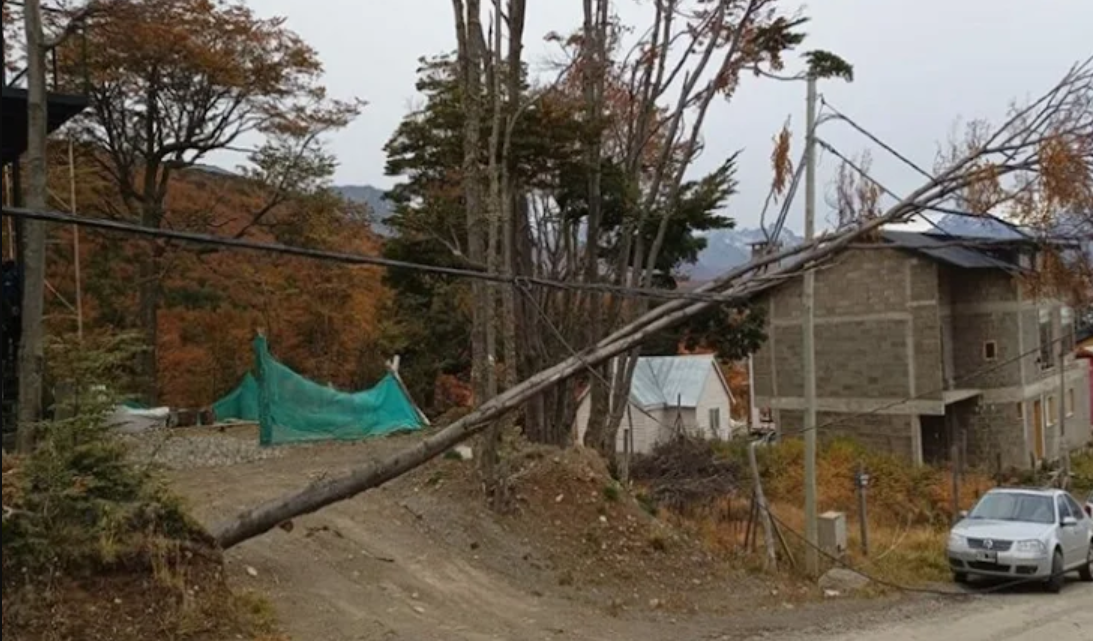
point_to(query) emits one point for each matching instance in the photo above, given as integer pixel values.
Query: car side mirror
(1070, 521)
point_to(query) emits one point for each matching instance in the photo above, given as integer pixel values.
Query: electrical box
(833, 533)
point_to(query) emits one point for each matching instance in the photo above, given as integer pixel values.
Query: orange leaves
(781, 162)
(1067, 173)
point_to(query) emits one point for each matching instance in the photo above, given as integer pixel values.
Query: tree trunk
(489, 458)
(148, 306)
(260, 520)
(31, 349)
(734, 287)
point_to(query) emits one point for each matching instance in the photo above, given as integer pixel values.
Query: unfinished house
(925, 348)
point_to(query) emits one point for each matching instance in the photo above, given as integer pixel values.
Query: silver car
(1017, 534)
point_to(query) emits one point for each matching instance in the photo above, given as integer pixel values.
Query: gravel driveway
(1010, 617)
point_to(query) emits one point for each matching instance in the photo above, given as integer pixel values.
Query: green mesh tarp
(291, 409)
(241, 404)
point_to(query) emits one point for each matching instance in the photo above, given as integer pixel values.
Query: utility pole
(31, 355)
(75, 239)
(808, 300)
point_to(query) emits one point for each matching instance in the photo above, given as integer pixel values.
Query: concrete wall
(878, 342)
(884, 432)
(891, 325)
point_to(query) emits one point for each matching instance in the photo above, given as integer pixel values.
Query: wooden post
(75, 239)
(627, 445)
(764, 511)
(954, 449)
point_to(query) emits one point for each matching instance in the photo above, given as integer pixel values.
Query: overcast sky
(921, 65)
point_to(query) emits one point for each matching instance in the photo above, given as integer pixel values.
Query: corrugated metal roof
(942, 250)
(661, 381)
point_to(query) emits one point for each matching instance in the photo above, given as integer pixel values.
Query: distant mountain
(730, 248)
(375, 199)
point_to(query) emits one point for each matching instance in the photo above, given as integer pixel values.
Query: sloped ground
(422, 560)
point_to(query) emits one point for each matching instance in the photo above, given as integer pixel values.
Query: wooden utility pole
(763, 510)
(808, 300)
(31, 354)
(75, 238)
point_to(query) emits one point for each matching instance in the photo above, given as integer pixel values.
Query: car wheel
(1058, 574)
(1087, 571)
(960, 578)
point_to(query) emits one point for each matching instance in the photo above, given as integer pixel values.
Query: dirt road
(404, 563)
(1012, 617)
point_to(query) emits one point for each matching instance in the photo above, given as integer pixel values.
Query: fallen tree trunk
(1062, 115)
(264, 518)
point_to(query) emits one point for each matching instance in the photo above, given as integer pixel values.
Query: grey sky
(921, 65)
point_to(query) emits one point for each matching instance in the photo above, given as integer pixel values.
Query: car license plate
(986, 557)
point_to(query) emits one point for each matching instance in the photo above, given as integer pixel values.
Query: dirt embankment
(422, 559)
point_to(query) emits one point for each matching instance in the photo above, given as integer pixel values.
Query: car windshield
(1023, 508)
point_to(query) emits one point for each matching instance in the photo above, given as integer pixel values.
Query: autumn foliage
(320, 317)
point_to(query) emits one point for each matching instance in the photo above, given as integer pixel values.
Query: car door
(1068, 536)
(1085, 527)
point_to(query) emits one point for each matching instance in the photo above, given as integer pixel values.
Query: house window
(990, 351)
(1052, 412)
(1070, 404)
(715, 421)
(1047, 341)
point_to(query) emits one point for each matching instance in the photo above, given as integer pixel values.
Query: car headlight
(957, 541)
(1031, 547)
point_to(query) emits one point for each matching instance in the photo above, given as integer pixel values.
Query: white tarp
(131, 421)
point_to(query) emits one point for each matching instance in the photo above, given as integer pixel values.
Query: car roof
(1037, 491)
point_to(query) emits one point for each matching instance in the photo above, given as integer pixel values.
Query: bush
(77, 505)
(686, 473)
(899, 492)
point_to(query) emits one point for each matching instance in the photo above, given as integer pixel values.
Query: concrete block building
(922, 345)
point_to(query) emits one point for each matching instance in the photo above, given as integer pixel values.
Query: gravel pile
(178, 451)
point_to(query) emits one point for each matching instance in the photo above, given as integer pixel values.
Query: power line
(964, 594)
(354, 258)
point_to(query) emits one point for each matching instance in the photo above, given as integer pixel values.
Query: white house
(688, 391)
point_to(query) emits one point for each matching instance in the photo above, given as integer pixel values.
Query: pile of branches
(686, 474)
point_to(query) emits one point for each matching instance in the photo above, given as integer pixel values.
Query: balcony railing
(66, 64)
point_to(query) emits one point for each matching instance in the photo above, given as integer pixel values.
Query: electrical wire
(356, 259)
(968, 592)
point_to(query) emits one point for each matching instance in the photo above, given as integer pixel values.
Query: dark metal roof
(943, 249)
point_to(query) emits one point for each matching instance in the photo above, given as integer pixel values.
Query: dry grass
(910, 509)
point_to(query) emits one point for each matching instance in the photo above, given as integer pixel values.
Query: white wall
(649, 430)
(714, 396)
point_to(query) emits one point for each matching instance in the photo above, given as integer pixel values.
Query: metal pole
(75, 239)
(863, 508)
(1062, 414)
(812, 534)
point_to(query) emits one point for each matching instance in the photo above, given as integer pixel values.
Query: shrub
(77, 504)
